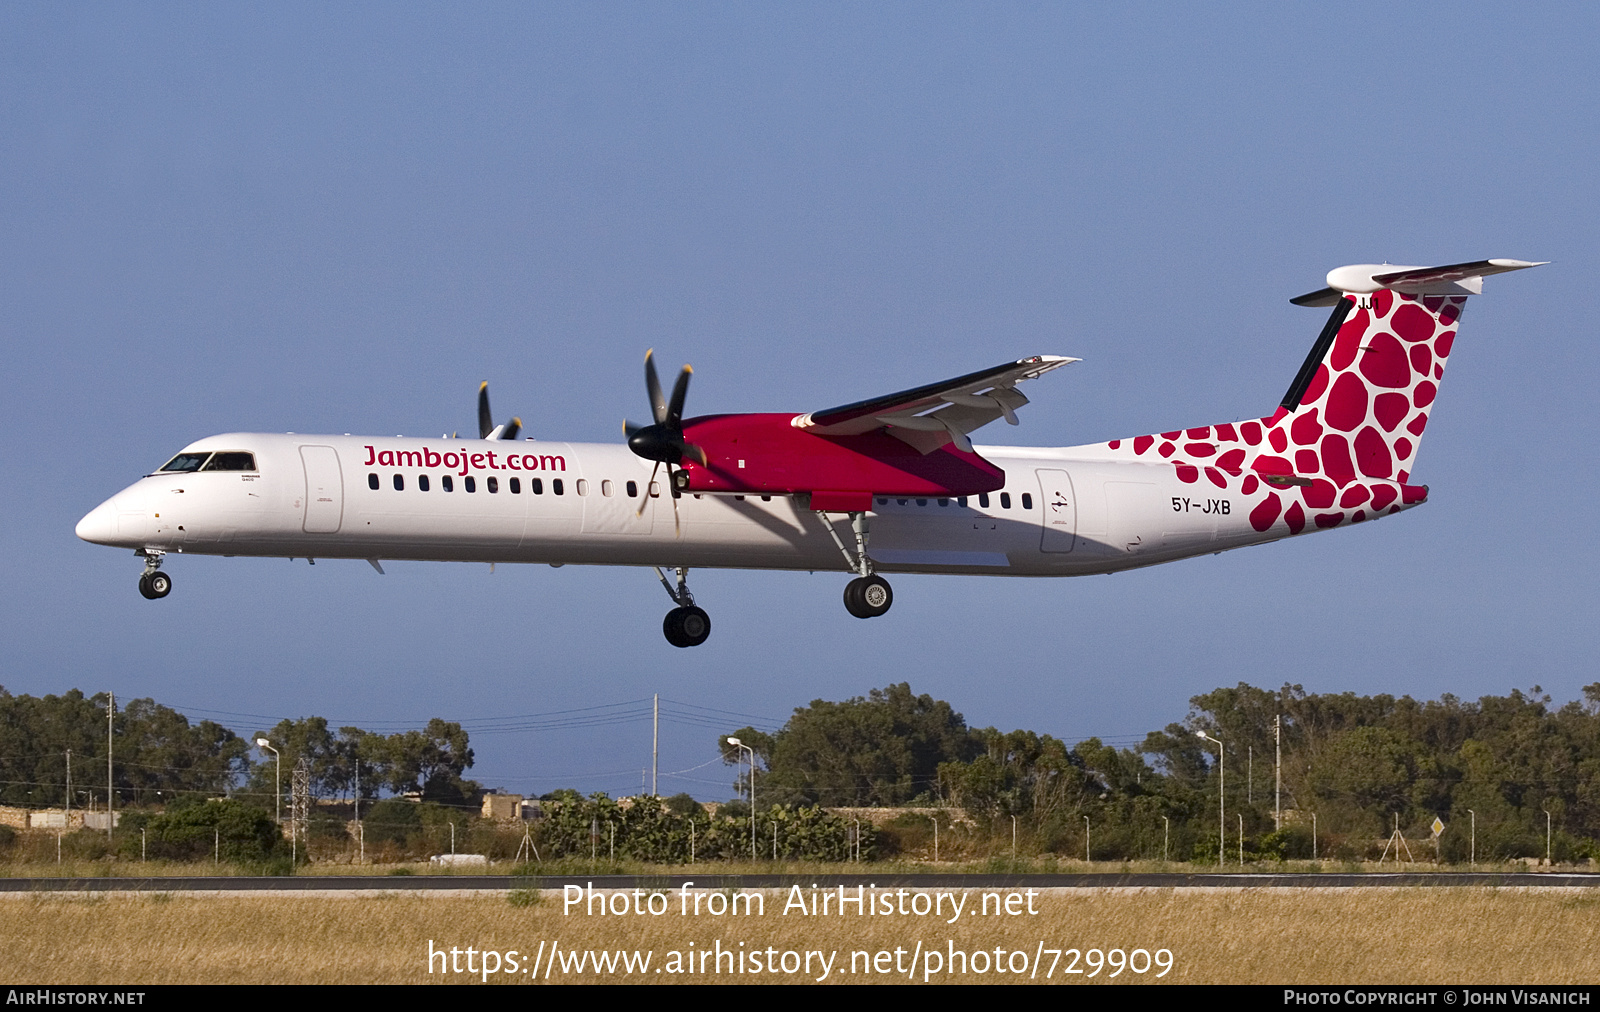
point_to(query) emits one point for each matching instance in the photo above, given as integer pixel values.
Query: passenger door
(1058, 510)
(324, 490)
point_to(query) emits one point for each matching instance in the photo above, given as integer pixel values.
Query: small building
(502, 807)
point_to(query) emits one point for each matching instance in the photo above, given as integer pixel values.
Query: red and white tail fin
(1344, 440)
(1359, 405)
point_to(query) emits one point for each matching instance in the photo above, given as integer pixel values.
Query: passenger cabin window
(447, 483)
(372, 482)
(537, 485)
(494, 485)
(557, 487)
(1027, 501)
(231, 460)
(469, 483)
(399, 483)
(605, 487)
(516, 486)
(422, 482)
(583, 486)
(1005, 500)
(633, 490)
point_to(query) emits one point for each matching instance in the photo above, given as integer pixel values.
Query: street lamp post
(1472, 854)
(1546, 812)
(1222, 814)
(277, 782)
(736, 743)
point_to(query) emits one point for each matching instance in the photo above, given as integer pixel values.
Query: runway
(461, 884)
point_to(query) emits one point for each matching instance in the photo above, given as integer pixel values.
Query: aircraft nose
(100, 526)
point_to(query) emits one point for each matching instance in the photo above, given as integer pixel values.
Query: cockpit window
(185, 462)
(231, 460)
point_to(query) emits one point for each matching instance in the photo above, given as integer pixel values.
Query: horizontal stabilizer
(1450, 279)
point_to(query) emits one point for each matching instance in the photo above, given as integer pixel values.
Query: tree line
(1354, 768)
(159, 757)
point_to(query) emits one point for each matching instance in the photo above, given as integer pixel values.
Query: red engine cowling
(765, 454)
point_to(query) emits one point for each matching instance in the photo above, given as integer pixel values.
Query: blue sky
(281, 217)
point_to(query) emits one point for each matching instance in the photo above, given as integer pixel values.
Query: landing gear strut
(153, 584)
(868, 595)
(685, 625)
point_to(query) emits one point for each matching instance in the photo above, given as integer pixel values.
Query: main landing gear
(868, 595)
(685, 625)
(153, 584)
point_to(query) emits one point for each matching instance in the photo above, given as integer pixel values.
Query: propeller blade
(644, 497)
(696, 454)
(485, 420)
(513, 429)
(680, 389)
(628, 428)
(652, 387)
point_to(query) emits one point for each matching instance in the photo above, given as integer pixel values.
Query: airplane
(890, 484)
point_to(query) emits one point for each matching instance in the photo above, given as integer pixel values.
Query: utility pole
(1277, 772)
(300, 810)
(655, 746)
(111, 715)
(361, 836)
(69, 788)
(1250, 774)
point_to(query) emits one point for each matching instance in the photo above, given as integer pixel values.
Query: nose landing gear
(685, 625)
(153, 584)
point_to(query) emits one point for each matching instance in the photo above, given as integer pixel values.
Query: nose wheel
(685, 625)
(868, 596)
(153, 584)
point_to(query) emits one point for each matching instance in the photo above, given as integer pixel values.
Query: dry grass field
(1365, 936)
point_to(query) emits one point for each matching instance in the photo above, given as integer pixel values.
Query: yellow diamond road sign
(1438, 826)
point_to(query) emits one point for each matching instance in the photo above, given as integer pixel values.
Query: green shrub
(392, 821)
(236, 831)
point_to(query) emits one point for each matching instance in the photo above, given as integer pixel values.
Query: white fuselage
(1062, 512)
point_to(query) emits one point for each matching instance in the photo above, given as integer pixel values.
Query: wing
(930, 416)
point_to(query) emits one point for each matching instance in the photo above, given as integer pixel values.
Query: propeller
(663, 441)
(486, 427)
